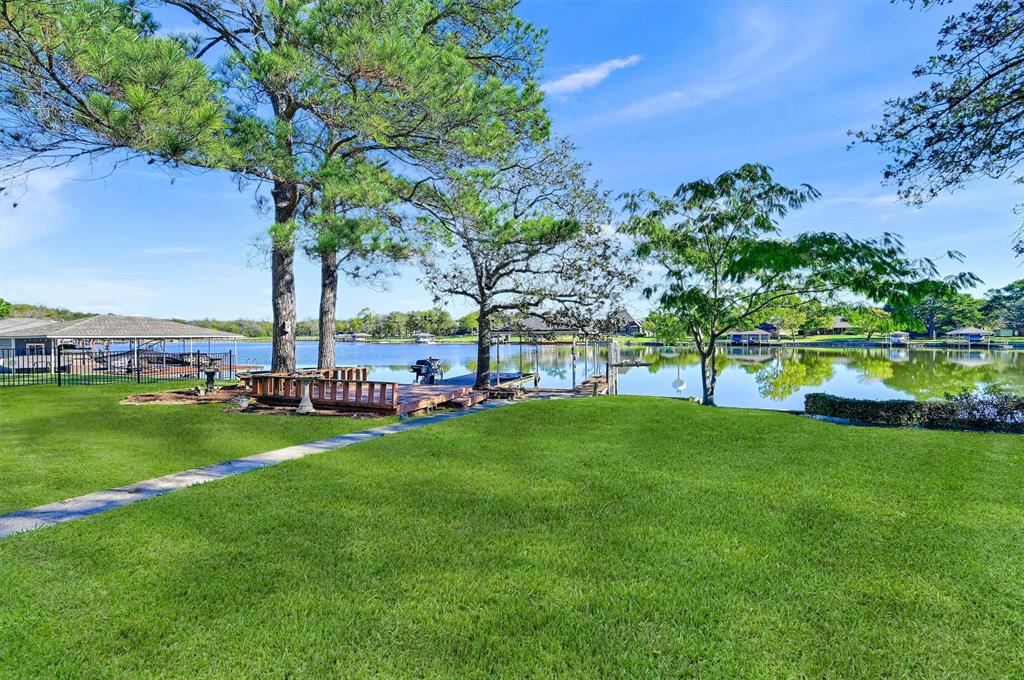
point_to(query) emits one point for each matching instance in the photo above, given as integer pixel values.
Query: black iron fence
(93, 367)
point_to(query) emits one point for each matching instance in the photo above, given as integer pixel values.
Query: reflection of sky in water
(757, 377)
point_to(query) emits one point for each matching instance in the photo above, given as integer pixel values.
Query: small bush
(993, 409)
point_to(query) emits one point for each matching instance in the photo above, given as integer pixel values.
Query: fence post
(59, 352)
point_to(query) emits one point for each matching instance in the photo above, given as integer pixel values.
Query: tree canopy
(724, 262)
(291, 94)
(530, 235)
(968, 119)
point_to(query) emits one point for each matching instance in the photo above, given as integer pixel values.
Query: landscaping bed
(190, 395)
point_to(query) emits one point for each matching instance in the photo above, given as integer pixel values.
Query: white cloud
(40, 210)
(588, 77)
(767, 46)
(175, 250)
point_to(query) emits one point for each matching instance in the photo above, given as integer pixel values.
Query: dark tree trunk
(326, 357)
(708, 375)
(282, 277)
(483, 349)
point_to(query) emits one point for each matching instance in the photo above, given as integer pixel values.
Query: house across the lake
(626, 324)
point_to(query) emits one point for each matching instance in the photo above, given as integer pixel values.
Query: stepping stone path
(101, 501)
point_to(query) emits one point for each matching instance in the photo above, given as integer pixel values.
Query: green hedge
(993, 410)
(894, 412)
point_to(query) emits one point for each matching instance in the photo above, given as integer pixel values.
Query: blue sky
(654, 93)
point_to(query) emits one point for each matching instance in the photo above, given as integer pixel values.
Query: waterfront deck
(349, 390)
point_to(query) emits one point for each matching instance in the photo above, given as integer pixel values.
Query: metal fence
(94, 367)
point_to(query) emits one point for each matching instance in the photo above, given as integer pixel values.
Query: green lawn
(57, 442)
(612, 537)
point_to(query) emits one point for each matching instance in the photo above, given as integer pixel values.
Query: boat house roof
(108, 327)
(969, 331)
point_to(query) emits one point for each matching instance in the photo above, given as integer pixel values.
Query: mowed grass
(58, 442)
(612, 537)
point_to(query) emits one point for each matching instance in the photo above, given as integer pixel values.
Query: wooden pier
(594, 385)
(348, 389)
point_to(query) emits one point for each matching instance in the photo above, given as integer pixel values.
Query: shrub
(993, 409)
(894, 412)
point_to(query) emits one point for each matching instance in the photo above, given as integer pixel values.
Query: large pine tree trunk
(708, 375)
(483, 349)
(326, 357)
(282, 280)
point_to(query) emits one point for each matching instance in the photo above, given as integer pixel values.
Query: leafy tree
(789, 320)
(818, 316)
(467, 323)
(968, 121)
(287, 94)
(942, 312)
(355, 233)
(724, 262)
(310, 328)
(5, 308)
(523, 236)
(1005, 306)
(871, 320)
(395, 325)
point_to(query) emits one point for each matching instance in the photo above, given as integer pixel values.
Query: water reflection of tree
(927, 375)
(792, 370)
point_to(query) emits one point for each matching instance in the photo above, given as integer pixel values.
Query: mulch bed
(264, 409)
(188, 396)
(239, 399)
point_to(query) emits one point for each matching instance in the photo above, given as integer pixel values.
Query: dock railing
(331, 388)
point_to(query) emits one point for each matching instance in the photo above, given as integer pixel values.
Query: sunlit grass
(57, 442)
(613, 537)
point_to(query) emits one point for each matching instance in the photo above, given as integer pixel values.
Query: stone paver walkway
(101, 501)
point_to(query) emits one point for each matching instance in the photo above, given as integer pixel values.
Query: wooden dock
(347, 389)
(594, 385)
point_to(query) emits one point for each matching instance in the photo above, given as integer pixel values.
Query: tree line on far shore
(933, 316)
(436, 321)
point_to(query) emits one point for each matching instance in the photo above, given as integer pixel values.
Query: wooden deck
(351, 391)
(594, 385)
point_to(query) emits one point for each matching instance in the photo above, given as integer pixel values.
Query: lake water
(755, 377)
